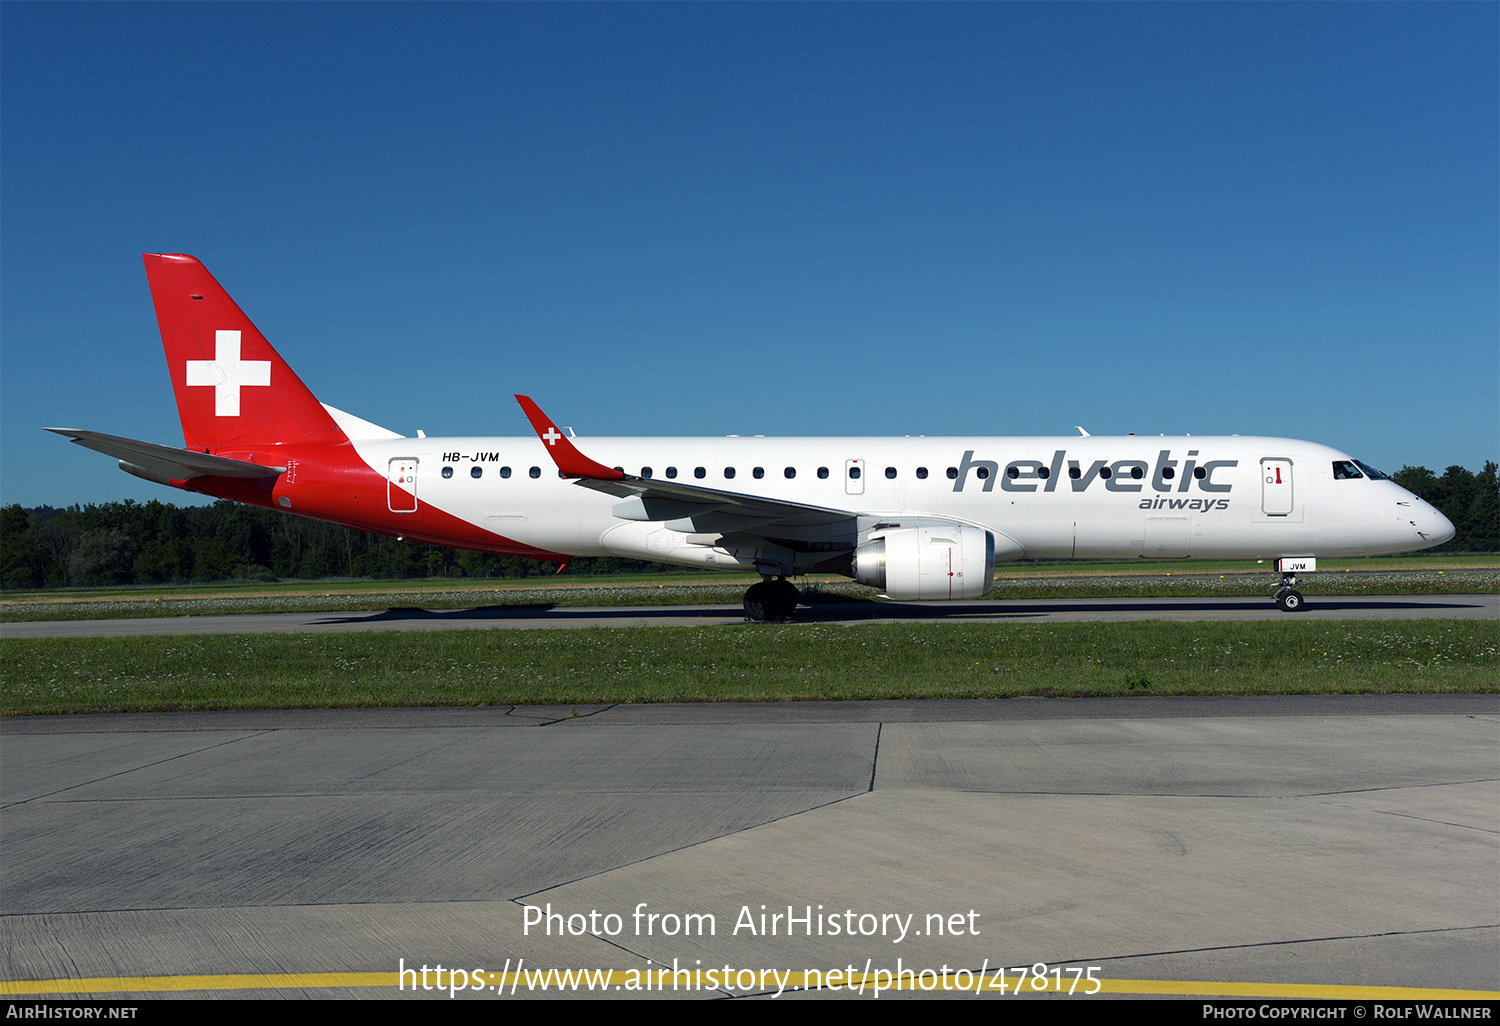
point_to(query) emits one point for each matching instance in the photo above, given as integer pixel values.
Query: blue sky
(679, 219)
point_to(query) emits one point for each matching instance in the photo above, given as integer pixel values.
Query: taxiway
(1333, 607)
(1332, 841)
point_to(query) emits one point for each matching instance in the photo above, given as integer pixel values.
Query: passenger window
(671, 473)
(921, 473)
(952, 473)
(1199, 473)
(822, 473)
(790, 472)
(1044, 472)
(1074, 473)
(854, 473)
(758, 473)
(536, 472)
(505, 472)
(646, 472)
(983, 473)
(1167, 473)
(1105, 473)
(699, 473)
(447, 471)
(729, 473)
(1137, 473)
(890, 473)
(476, 472)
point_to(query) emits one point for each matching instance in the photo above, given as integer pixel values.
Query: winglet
(562, 450)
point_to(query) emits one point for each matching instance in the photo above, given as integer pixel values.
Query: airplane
(917, 518)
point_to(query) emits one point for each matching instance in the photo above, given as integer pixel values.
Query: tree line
(157, 543)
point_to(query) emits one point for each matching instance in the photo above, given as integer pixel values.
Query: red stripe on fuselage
(331, 482)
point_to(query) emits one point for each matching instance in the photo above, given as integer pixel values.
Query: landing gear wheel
(756, 601)
(771, 600)
(785, 601)
(1289, 600)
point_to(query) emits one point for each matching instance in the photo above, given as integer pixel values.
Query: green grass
(746, 662)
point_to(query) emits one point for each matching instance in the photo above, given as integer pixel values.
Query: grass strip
(745, 662)
(1432, 582)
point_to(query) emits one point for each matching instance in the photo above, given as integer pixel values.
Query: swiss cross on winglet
(564, 453)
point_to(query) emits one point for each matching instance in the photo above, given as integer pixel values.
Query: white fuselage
(1090, 497)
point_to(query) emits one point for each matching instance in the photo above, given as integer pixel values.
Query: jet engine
(937, 561)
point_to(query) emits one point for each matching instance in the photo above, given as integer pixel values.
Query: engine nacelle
(944, 561)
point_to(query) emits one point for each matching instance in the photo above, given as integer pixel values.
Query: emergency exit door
(1276, 487)
(401, 485)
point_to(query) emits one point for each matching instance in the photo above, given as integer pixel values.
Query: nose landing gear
(771, 600)
(1288, 598)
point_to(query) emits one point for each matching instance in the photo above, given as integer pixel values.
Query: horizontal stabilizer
(163, 462)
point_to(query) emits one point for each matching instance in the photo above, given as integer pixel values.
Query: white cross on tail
(227, 373)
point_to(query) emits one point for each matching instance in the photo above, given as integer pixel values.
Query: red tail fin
(232, 388)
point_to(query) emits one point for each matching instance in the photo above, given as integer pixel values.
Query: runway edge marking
(319, 981)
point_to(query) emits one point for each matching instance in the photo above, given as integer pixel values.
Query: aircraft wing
(164, 460)
(649, 498)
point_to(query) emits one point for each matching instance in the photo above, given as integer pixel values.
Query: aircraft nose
(1431, 526)
(1440, 528)
(1415, 515)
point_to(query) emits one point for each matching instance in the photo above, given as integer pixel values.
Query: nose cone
(1422, 517)
(1395, 520)
(1438, 528)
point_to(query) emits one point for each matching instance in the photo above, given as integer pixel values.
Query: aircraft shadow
(1002, 609)
(846, 612)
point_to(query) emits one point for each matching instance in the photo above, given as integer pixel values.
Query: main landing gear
(1288, 598)
(771, 600)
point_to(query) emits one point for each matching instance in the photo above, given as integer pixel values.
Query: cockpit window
(1370, 472)
(1345, 470)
